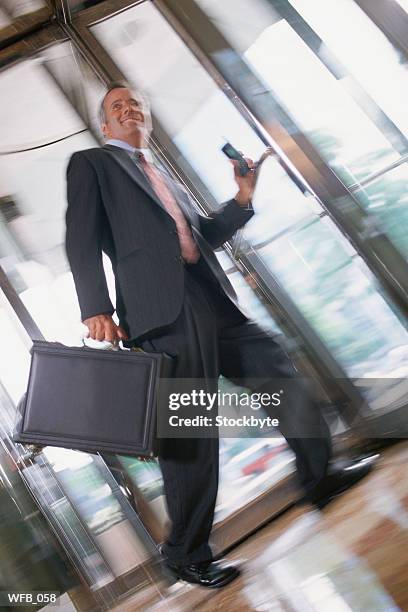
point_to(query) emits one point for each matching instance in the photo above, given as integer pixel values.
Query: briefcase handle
(114, 346)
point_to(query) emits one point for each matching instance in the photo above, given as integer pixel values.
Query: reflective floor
(351, 556)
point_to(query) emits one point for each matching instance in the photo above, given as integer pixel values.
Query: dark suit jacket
(113, 209)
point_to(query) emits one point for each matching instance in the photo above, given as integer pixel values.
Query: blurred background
(322, 265)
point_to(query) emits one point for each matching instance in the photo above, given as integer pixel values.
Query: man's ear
(104, 129)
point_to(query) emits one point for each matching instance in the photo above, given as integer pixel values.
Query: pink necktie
(189, 249)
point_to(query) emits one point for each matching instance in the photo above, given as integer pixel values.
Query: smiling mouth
(138, 118)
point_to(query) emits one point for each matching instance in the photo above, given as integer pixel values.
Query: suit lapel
(124, 160)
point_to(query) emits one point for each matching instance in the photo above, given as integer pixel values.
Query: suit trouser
(211, 337)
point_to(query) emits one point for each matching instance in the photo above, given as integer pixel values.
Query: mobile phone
(232, 153)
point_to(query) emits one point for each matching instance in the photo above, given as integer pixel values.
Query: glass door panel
(339, 297)
(40, 478)
(199, 119)
(100, 510)
(29, 558)
(37, 141)
(355, 40)
(328, 115)
(294, 73)
(323, 105)
(386, 198)
(317, 266)
(14, 355)
(248, 467)
(249, 301)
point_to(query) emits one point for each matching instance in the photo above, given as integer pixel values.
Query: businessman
(172, 295)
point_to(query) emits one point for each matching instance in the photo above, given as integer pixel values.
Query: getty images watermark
(211, 401)
(203, 408)
(196, 408)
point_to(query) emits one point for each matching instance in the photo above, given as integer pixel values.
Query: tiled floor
(353, 556)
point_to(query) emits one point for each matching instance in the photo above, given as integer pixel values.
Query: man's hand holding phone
(245, 171)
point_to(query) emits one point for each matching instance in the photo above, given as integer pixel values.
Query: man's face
(125, 119)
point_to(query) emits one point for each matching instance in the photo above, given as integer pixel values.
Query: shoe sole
(218, 585)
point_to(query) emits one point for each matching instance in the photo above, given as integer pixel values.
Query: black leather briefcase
(91, 399)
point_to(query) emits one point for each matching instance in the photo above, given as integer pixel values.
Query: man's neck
(136, 142)
(122, 144)
(125, 144)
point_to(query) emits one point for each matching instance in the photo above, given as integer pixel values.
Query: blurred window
(199, 119)
(322, 105)
(341, 131)
(14, 369)
(14, 357)
(64, 518)
(248, 467)
(339, 297)
(18, 8)
(85, 487)
(36, 144)
(364, 50)
(291, 233)
(403, 4)
(386, 198)
(328, 113)
(40, 130)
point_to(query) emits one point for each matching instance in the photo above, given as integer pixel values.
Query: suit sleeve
(84, 225)
(222, 225)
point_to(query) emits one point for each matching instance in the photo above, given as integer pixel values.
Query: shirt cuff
(248, 207)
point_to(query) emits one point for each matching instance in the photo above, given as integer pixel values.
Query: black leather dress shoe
(209, 574)
(339, 480)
